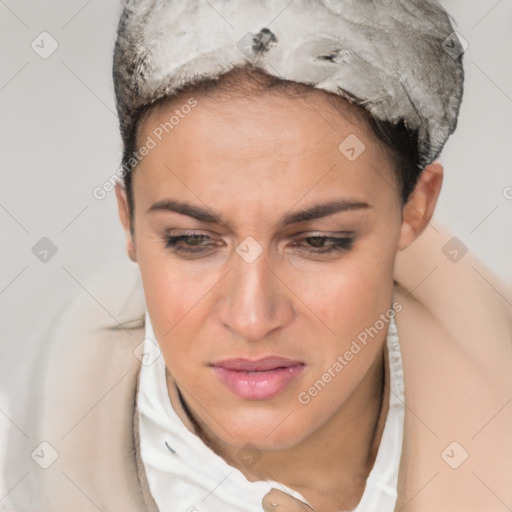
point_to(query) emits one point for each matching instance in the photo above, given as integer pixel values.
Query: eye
(190, 243)
(200, 243)
(326, 244)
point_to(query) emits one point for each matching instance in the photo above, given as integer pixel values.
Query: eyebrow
(306, 214)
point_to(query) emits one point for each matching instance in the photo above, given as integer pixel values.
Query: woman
(265, 224)
(275, 171)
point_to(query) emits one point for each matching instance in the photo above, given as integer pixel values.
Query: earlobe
(124, 217)
(420, 206)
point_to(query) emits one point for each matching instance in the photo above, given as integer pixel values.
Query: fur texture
(388, 55)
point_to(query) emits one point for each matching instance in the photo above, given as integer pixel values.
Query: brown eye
(186, 243)
(327, 244)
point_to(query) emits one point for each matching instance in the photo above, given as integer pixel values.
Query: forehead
(269, 145)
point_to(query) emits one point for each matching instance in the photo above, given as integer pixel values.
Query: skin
(251, 161)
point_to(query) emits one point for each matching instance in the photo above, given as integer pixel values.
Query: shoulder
(448, 287)
(83, 398)
(94, 338)
(458, 412)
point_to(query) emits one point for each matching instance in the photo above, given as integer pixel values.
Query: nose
(255, 301)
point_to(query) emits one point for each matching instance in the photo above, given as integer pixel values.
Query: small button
(279, 501)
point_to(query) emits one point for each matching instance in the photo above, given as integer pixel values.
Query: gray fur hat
(400, 59)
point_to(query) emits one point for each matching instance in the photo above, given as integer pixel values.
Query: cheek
(172, 300)
(172, 288)
(348, 295)
(179, 302)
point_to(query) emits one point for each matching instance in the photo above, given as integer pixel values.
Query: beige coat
(457, 354)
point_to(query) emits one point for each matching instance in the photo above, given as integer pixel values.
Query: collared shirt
(185, 475)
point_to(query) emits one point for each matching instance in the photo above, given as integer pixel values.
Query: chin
(268, 432)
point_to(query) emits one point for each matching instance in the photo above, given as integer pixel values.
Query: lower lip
(258, 385)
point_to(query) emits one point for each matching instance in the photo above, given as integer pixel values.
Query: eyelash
(338, 243)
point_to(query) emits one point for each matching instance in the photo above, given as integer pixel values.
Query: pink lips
(257, 380)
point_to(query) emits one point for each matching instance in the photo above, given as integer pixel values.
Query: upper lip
(258, 365)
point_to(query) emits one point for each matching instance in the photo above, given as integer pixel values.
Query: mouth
(259, 379)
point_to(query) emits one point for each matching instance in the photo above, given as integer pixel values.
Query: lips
(260, 379)
(260, 365)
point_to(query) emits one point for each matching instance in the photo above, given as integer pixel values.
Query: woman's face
(256, 278)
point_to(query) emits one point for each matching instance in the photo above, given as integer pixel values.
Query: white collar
(195, 479)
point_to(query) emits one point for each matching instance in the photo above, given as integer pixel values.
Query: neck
(331, 466)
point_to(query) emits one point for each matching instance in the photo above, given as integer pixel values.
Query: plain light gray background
(59, 139)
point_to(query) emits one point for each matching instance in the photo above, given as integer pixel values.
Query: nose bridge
(254, 303)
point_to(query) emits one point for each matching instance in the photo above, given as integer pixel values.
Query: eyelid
(306, 234)
(336, 244)
(300, 234)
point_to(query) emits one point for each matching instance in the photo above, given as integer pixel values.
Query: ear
(124, 216)
(418, 210)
